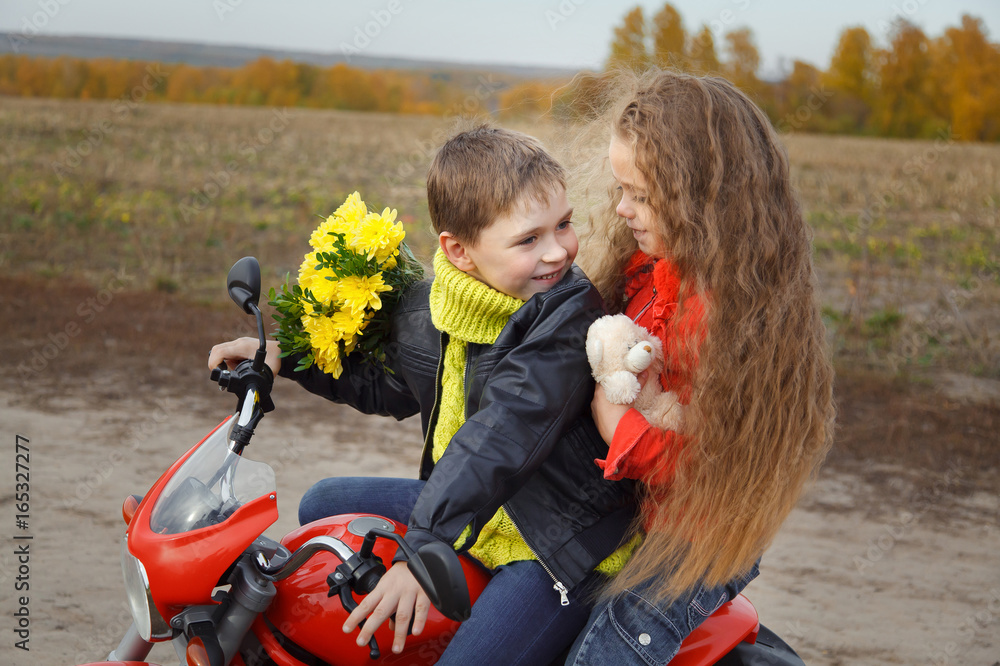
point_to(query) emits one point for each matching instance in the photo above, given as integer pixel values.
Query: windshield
(210, 486)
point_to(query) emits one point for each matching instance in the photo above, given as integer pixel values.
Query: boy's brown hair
(481, 174)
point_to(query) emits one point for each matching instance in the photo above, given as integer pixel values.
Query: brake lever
(347, 600)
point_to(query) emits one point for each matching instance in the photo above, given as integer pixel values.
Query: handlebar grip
(221, 375)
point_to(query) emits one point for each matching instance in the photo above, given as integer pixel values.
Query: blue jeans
(634, 629)
(389, 498)
(517, 619)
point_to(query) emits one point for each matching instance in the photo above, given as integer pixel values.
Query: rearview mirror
(244, 284)
(436, 567)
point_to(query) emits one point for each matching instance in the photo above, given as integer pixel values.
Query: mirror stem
(258, 359)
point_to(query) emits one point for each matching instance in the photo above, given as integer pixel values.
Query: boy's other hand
(235, 351)
(398, 592)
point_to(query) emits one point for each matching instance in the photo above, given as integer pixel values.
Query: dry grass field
(160, 199)
(907, 232)
(118, 225)
(156, 201)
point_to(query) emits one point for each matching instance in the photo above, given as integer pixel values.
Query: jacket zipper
(559, 586)
(432, 421)
(646, 306)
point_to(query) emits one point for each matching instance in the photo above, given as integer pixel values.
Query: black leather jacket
(528, 443)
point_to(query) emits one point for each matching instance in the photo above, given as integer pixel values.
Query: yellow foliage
(914, 86)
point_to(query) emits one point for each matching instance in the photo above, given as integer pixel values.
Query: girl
(706, 248)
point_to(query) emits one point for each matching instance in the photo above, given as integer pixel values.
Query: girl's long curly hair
(760, 420)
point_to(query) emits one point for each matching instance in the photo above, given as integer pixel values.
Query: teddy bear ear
(595, 350)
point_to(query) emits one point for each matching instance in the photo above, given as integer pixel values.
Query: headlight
(148, 621)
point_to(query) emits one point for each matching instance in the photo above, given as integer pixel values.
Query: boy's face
(526, 252)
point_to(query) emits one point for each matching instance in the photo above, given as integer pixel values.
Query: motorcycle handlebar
(315, 545)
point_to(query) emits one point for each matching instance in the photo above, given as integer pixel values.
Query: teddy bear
(618, 349)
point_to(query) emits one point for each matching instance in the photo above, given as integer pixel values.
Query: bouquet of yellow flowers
(357, 268)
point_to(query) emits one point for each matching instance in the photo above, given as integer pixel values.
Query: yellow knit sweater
(471, 311)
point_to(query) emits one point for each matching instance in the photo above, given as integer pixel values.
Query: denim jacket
(635, 628)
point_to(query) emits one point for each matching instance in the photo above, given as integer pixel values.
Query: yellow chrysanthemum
(330, 363)
(344, 306)
(321, 238)
(348, 322)
(325, 290)
(359, 292)
(323, 334)
(378, 236)
(352, 211)
(347, 217)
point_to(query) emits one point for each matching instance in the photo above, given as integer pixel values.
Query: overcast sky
(562, 33)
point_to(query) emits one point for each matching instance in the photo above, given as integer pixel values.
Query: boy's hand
(398, 592)
(242, 349)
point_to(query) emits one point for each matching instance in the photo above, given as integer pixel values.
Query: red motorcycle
(199, 572)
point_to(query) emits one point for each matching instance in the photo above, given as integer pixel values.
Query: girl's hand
(242, 349)
(398, 592)
(607, 414)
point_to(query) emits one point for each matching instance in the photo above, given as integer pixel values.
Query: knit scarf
(468, 311)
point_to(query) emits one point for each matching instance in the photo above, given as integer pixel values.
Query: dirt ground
(890, 558)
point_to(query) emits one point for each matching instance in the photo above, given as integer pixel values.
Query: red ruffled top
(652, 292)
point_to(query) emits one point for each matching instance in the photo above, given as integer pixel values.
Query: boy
(491, 354)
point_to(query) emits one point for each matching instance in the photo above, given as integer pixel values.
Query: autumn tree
(349, 88)
(120, 77)
(252, 81)
(185, 84)
(799, 100)
(967, 69)
(628, 48)
(95, 86)
(669, 38)
(851, 79)
(702, 58)
(850, 68)
(905, 95)
(286, 91)
(31, 77)
(743, 61)
(914, 86)
(70, 74)
(392, 90)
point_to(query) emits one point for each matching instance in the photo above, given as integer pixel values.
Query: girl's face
(633, 205)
